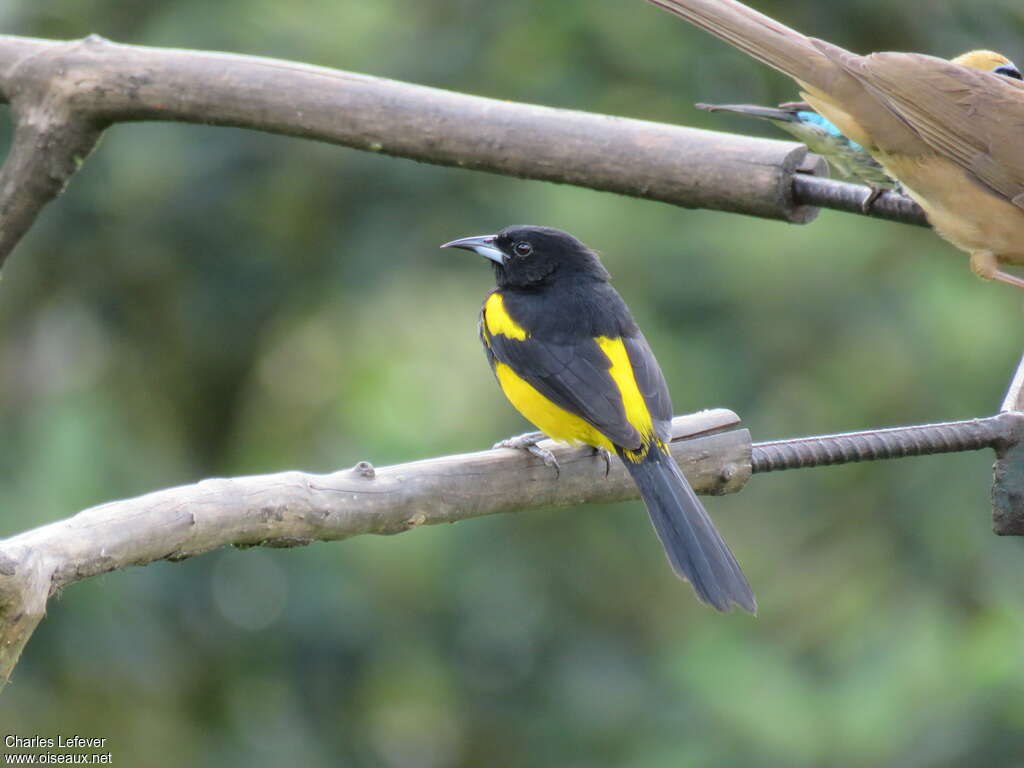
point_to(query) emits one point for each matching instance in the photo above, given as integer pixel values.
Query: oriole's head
(989, 61)
(527, 256)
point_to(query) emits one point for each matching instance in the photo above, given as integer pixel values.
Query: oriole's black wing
(576, 376)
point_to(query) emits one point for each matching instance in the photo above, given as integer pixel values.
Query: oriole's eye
(522, 248)
(1008, 70)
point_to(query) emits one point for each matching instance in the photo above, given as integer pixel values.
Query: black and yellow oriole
(569, 356)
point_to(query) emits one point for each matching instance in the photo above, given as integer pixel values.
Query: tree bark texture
(64, 94)
(295, 508)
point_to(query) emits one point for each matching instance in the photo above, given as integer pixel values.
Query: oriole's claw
(528, 443)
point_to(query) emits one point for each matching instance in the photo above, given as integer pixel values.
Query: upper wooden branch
(64, 93)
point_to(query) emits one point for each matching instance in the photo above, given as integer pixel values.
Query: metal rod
(871, 445)
(842, 196)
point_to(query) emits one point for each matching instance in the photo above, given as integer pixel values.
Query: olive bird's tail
(694, 546)
(762, 37)
(830, 78)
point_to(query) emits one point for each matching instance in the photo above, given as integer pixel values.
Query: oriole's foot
(605, 454)
(869, 200)
(528, 443)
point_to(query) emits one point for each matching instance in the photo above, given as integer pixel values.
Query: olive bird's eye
(1008, 71)
(522, 248)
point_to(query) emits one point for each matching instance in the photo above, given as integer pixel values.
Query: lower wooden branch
(295, 508)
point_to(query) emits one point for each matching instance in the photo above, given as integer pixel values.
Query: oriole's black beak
(482, 244)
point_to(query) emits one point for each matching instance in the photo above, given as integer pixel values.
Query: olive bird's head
(989, 61)
(526, 257)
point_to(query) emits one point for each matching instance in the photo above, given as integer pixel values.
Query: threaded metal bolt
(840, 196)
(896, 443)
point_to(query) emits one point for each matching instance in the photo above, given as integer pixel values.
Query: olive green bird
(848, 157)
(949, 132)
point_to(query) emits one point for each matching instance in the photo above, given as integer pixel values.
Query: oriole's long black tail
(694, 546)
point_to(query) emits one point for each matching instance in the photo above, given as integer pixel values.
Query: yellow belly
(551, 419)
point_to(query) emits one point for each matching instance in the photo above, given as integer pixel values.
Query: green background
(207, 301)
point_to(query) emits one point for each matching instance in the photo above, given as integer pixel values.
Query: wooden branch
(293, 508)
(63, 94)
(49, 145)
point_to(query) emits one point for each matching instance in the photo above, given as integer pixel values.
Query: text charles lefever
(54, 742)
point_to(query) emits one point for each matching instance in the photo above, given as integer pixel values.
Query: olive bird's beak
(482, 244)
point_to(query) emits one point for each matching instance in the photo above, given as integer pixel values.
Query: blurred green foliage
(212, 302)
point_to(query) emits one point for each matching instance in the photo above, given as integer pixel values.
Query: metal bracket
(1008, 470)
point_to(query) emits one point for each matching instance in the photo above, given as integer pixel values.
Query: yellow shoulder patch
(498, 321)
(637, 413)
